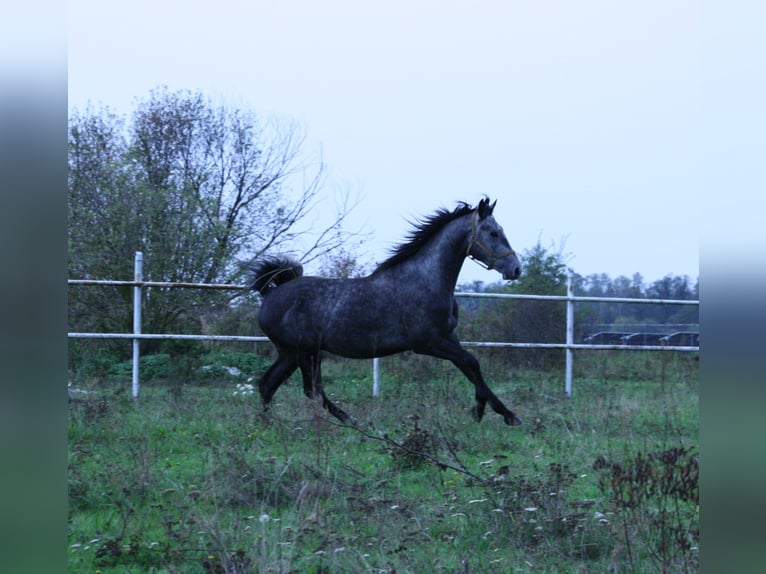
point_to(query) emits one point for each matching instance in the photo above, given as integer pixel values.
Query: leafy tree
(673, 287)
(98, 184)
(545, 272)
(196, 187)
(343, 263)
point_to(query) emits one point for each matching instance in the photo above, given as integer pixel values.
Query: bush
(655, 497)
(151, 367)
(229, 366)
(214, 366)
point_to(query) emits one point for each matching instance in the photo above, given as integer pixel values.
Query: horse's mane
(424, 230)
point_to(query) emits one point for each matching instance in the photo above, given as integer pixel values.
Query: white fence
(569, 346)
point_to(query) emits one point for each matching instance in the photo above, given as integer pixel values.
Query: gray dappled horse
(407, 303)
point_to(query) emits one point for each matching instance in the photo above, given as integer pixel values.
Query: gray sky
(583, 119)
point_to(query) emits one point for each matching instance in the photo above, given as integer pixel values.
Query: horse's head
(488, 243)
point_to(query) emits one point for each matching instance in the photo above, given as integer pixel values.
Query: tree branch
(384, 438)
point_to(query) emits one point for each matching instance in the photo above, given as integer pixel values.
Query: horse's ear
(485, 208)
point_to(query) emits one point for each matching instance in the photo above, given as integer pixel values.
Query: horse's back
(295, 304)
(299, 313)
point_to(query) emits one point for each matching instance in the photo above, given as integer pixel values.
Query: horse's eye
(494, 234)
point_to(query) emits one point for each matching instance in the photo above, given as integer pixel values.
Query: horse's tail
(268, 273)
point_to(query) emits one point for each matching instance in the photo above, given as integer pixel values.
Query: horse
(406, 304)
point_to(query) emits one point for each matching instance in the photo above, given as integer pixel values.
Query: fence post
(570, 333)
(138, 274)
(375, 377)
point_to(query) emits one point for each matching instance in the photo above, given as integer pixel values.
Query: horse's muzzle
(513, 273)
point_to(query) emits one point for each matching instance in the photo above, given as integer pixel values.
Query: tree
(97, 217)
(545, 272)
(597, 316)
(673, 287)
(196, 187)
(342, 263)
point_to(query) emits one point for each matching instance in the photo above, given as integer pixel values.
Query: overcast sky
(581, 118)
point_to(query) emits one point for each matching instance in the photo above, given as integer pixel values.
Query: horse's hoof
(346, 420)
(512, 420)
(476, 414)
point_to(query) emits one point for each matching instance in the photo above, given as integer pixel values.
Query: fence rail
(139, 284)
(148, 336)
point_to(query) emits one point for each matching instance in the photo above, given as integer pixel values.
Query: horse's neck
(438, 263)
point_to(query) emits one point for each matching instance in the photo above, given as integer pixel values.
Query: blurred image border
(33, 178)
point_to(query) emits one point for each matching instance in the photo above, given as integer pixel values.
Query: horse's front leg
(450, 348)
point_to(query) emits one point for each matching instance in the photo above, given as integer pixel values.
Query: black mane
(423, 232)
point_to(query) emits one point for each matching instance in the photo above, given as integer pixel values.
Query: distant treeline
(673, 287)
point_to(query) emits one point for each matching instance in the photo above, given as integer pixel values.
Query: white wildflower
(244, 390)
(601, 518)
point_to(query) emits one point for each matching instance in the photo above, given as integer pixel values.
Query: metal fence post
(138, 276)
(375, 377)
(570, 333)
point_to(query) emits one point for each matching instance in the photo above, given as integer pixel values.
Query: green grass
(191, 478)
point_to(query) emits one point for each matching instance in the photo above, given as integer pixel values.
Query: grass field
(196, 478)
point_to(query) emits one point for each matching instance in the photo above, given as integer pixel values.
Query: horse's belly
(361, 347)
(360, 339)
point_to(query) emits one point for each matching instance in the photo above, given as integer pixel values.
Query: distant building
(605, 338)
(681, 339)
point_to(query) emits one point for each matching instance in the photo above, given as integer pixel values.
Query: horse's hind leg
(277, 374)
(311, 369)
